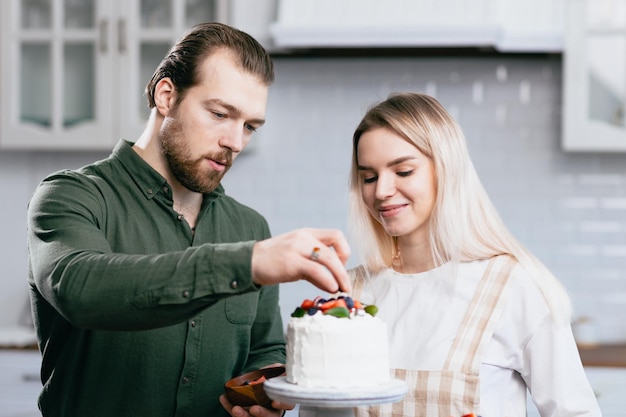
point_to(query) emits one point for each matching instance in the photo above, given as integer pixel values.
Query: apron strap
(481, 317)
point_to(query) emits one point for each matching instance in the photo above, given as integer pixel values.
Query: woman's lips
(391, 210)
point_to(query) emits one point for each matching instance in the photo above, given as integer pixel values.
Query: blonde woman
(474, 318)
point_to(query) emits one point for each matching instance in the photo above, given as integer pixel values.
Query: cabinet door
(146, 30)
(595, 76)
(56, 64)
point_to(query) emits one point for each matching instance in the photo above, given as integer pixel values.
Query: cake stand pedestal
(333, 402)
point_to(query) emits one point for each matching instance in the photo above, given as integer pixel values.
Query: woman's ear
(164, 96)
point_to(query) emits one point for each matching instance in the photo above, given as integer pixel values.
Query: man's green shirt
(136, 314)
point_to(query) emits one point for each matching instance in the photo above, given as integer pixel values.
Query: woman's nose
(385, 187)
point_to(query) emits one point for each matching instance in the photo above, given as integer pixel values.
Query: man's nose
(232, 139)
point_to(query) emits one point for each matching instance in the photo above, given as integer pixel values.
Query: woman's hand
(255, 410)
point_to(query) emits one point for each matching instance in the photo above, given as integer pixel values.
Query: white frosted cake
(347, 348)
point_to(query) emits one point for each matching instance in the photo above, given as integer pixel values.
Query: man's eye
(250, 128)
(219, 115)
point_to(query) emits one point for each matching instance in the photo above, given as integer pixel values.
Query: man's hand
(255, 410)
(316, 255)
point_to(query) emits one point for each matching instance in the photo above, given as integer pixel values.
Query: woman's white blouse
(528, 349)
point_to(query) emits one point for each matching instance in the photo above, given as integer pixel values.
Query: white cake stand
(333, 402)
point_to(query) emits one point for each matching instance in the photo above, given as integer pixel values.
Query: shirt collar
(149, 181)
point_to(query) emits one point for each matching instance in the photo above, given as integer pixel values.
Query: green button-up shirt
(135, 314)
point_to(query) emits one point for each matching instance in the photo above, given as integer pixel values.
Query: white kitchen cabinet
(506, 25)
(74, 71)
(20, 384)
(594, 72)
(253, 17)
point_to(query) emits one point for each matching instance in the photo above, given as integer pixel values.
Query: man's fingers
(327, 276)
(334, 239)
(282, 406)
(328, 257)
(317, 255)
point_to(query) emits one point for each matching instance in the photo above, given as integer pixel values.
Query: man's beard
(186, 169)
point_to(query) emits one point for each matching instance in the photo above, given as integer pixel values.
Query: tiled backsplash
(569, 209)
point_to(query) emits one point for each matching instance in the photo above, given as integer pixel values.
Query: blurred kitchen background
(537, 85)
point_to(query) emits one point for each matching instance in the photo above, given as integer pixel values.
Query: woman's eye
(369, 180)
(405, 173)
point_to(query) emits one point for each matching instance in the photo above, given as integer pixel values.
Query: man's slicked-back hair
(182, 61)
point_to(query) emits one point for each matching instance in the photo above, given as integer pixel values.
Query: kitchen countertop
(611, 355)
(15, 337)
(604, 355)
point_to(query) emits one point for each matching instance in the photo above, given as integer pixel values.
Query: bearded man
(150, 286)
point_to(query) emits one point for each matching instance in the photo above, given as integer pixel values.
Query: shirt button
(185, 380)
(185, 294)
(166, 190)
(179, 217)
(149, 191)
(193, 323)
(234, 284)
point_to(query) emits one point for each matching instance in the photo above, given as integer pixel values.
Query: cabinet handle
(104, 35)
(121, 35)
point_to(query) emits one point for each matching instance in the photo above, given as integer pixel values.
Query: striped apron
(455, 390)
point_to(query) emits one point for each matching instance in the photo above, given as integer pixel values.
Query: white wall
(570, 209)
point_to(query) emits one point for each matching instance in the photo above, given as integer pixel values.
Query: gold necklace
(396, 262)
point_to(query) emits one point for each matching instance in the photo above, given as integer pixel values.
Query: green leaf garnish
(338, 312)
(298, 312)
(371, 310)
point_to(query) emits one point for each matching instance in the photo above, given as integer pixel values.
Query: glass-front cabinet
(594, 94)
(73, 72)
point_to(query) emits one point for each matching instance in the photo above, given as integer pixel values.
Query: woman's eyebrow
(396, 161)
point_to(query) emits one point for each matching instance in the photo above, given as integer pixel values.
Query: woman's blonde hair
(464, 225)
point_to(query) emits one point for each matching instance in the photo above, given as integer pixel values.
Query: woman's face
(397, 182)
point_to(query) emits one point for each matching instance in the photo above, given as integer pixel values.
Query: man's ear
(164, 95)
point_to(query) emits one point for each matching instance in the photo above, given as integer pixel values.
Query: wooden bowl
(247, 389)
